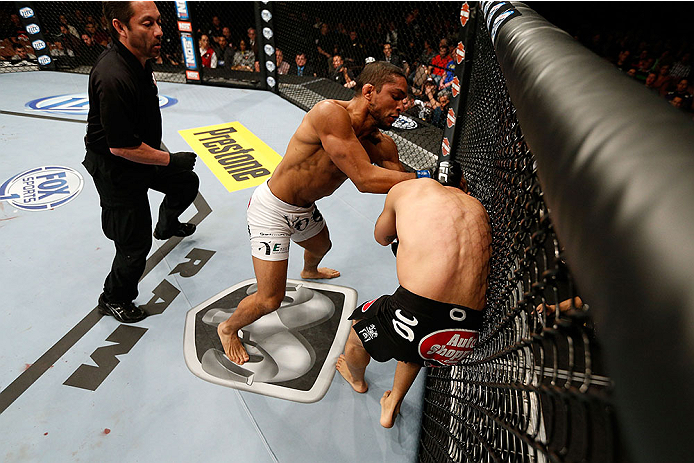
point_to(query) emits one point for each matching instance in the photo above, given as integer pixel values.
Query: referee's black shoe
(182, 230)
(124, 312)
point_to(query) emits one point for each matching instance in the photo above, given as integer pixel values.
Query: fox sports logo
(42, 188)
(77, 104)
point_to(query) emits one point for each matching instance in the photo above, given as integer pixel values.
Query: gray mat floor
(150, 407)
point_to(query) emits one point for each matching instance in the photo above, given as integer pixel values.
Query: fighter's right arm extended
(334, 127)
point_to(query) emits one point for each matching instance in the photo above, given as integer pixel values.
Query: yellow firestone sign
(233, 153)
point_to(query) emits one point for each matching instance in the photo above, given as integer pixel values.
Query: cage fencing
(534, 389)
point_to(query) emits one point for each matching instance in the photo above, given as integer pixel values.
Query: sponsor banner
(77, 103)
(450, 120)
(182, 11)
(455, 87)
(447, 347)
(185, 26)
(293, 350)
(42, 188)
(236, 156)
(192, 75)
(464, 14)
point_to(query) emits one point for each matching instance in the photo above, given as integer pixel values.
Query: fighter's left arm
(385, 231)
(383, 152)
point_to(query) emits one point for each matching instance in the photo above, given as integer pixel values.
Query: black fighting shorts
(412, 328)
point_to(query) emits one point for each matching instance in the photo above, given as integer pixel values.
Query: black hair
(377, 74)
(122, 11)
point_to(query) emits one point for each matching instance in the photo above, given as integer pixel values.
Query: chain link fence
(534, 389)
(75, 34)
(329, 43)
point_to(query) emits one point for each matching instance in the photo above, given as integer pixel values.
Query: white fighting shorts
(272, 223)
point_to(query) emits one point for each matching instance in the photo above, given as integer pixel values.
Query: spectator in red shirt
(437, 68)
(207, 54)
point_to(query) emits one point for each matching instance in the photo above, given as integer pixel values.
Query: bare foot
(359, 386)
(322, 272)
(389, 410)
(232, 345)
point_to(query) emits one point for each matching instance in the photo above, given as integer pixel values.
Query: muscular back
(445, 243)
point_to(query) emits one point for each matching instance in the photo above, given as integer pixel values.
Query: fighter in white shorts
(272, 222)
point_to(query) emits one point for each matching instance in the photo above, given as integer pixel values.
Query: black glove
(183, 159)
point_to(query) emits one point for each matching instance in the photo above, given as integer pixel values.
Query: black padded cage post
(459, 90)
(32, 25)
(266, 35)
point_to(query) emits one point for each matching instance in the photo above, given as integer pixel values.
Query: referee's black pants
(126, 220)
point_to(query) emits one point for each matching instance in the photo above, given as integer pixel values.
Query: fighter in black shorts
(434, 317)
(412, 328)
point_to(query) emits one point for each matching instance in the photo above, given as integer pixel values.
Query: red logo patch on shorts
(447, 347)
(367, 305)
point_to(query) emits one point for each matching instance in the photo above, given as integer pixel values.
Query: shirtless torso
(427, 235)
(335, 141)
(310, 170)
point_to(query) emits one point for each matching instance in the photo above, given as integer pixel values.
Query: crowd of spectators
(74, 38)
(422, 44)
(665, 68)
(339, 50)
(653, 46)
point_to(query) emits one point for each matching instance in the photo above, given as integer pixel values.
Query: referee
(123, 156)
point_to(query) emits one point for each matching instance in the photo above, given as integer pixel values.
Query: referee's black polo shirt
(123, 108)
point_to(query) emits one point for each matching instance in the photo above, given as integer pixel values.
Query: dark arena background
(587, 351)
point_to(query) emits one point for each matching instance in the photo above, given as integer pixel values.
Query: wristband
(424, 173)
